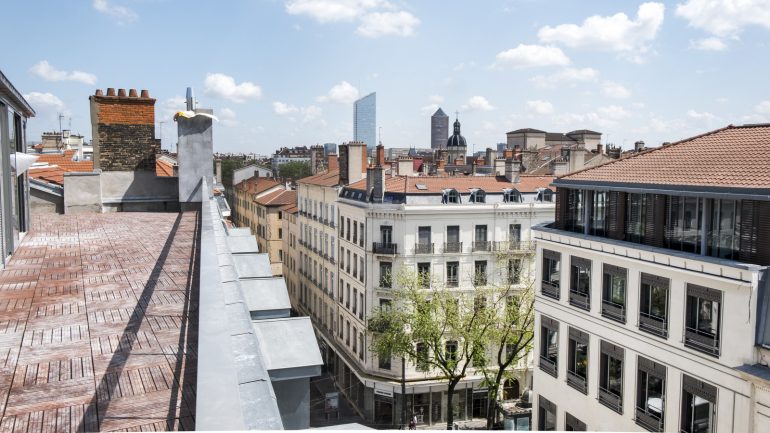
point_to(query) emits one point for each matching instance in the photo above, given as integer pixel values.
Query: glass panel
(453, 234)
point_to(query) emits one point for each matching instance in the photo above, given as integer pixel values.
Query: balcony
(653, 324)
(515, 247)
(580, 300)
(452, 282)
(481, 246)
(551, 290)
(423, 248)
(705, 342)
(577, 382)
(453, 247)
(649, 420)
(613, 311)
(384, 248)
(611, 400)
(315, 217)
(332, 260)
(548, 366)
(332, 224)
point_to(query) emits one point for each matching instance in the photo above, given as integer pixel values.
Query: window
(573, 424)
(653, 305)
(355, 232)
(361, 269)
(480, 273)
(361, 306)
(386, 235)
(577, 366)
(423, 274)
(450, 196)
(355, 340)
(478, 196)
(361, 346)
(341, 329)
(347, 333)
(422, 357)
(383, 360)
(511, 196)
(551, 273)
(599, 221)
(546, 415)
(347, 295)
(514, 235)
(361, 235)
(355, 301)
(703, 319)
(614, 293)
(611, 376)
(450, 350)
(544, 195)
(514, 271)
(723, 240)
(576, 210)
(355, 265)
(280, 233)
(386, 270)
(580, 283)
(347, 231)
(424, 245)
(636, 217)
(549, 345)
(453, 244)
(452, 273)
(480, 238)
(698, 406)
(650, 394)
(280, 215)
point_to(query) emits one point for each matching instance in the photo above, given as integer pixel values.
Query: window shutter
(561, 207)
(617, 214)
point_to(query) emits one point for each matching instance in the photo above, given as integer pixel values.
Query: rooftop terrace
(98, 324)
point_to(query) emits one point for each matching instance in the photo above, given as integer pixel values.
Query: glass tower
(365, 121)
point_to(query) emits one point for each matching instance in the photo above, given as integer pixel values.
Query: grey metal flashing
(252, 266)
(543, 227)
(46, 187)
(242, 244)
(14, 96)
(681, 190)
(266, 299)
(238, 231)
(289, 358)
(234, 391)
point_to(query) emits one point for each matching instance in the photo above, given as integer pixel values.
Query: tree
(435, 328)
(294, 170)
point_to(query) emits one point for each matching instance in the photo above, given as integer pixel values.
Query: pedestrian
(413, 423)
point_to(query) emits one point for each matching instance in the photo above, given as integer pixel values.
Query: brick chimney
(380, 160)
(440, 164)
(375, 183)
(123, 131)
(331, 162)
(599, 149)
(352, 162)
(512, 170)
(508, 154)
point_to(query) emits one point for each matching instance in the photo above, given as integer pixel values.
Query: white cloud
(540, 107)
(565, 76)
(721, 99)
(378, 24)
(763, 107)
(613, 112)
(171, 106)
(725, 18)
(282, 109)
(477, 103)
(310, 113)
(223, 86)
(603, 117)
(342, 93)
(44, 70)
(611, 33)
(436, 99)
(429, 109)
(530, 56)
(615, 90)
(325, 11)
(47, 104)
(123, 14)
(709, 44)
(700, 115)
(227, 117)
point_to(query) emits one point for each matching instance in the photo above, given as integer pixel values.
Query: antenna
(380, 134)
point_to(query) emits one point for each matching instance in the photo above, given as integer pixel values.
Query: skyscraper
(365, 120)
(439, 129)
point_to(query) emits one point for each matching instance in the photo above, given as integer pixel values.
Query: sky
(286, 72)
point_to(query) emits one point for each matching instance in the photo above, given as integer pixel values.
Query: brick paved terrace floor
(98, 324)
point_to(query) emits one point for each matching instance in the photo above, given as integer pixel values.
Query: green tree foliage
(294, 170)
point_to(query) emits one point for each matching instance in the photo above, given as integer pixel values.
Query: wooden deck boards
(98, 325)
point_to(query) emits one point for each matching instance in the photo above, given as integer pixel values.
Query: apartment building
(451, 227)
(290, 224)
(652, 291)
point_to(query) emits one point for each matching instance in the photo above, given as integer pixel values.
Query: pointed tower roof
(439, 113)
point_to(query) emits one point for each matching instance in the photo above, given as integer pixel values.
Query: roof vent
(421, 186)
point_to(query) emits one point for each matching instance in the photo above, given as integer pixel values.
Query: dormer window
(544, 195)
(511, 196)
(478, 196)
(450, 196)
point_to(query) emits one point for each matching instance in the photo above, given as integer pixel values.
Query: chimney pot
(145, 93)
(132, 93)
(99, 92)
(599, 149)
(110, 91)
(122, 92)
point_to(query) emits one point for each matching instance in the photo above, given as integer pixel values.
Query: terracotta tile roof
(256, 185)
(278, 198)
(326, 178)
(163, 168)
(64, 160)
(290, 208)
(437, 184)
(734, 156)
(50, 174)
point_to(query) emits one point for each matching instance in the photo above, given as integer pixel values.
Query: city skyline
(662, 71)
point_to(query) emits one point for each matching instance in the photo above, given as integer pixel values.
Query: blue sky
(285, 72)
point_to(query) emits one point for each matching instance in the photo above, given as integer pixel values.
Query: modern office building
(653, 293)
(365, 121)
(14, 182)
(439, 129)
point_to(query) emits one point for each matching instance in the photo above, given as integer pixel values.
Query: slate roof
(437, 184)
(734, 156)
